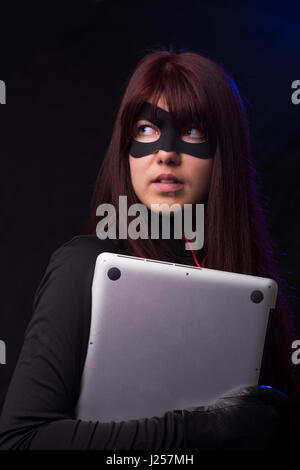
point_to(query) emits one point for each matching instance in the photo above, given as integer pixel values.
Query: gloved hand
(253, 417)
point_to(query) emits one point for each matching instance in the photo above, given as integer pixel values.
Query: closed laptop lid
(166, 336)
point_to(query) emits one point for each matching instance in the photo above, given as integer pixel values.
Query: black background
(66, 67)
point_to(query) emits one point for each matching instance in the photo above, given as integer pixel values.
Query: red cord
(195, 259)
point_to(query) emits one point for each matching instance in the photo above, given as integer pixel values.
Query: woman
(205, 145)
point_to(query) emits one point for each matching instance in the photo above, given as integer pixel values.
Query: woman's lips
(167, 187)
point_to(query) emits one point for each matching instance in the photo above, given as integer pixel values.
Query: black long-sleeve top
(39, 409)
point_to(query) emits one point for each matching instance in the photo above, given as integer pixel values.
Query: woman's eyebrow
(147, 120)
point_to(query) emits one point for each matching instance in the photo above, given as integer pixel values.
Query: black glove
(253, 417)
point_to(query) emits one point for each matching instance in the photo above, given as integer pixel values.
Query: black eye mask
(169, 140)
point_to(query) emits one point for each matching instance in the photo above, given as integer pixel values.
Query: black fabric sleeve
(39, 409)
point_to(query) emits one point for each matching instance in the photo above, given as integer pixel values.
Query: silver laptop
(167, 336)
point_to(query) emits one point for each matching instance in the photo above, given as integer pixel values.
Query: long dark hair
(236, 233)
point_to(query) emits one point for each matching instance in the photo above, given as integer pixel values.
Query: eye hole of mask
(145, 131)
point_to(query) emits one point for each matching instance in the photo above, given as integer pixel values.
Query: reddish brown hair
(236, 235)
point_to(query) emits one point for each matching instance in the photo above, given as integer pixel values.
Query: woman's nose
(168, 157)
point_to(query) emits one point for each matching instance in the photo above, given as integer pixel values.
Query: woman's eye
(193, 134)
(146, 133)
(141, 129)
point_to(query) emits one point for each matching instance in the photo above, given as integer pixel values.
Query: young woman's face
(193, 173)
